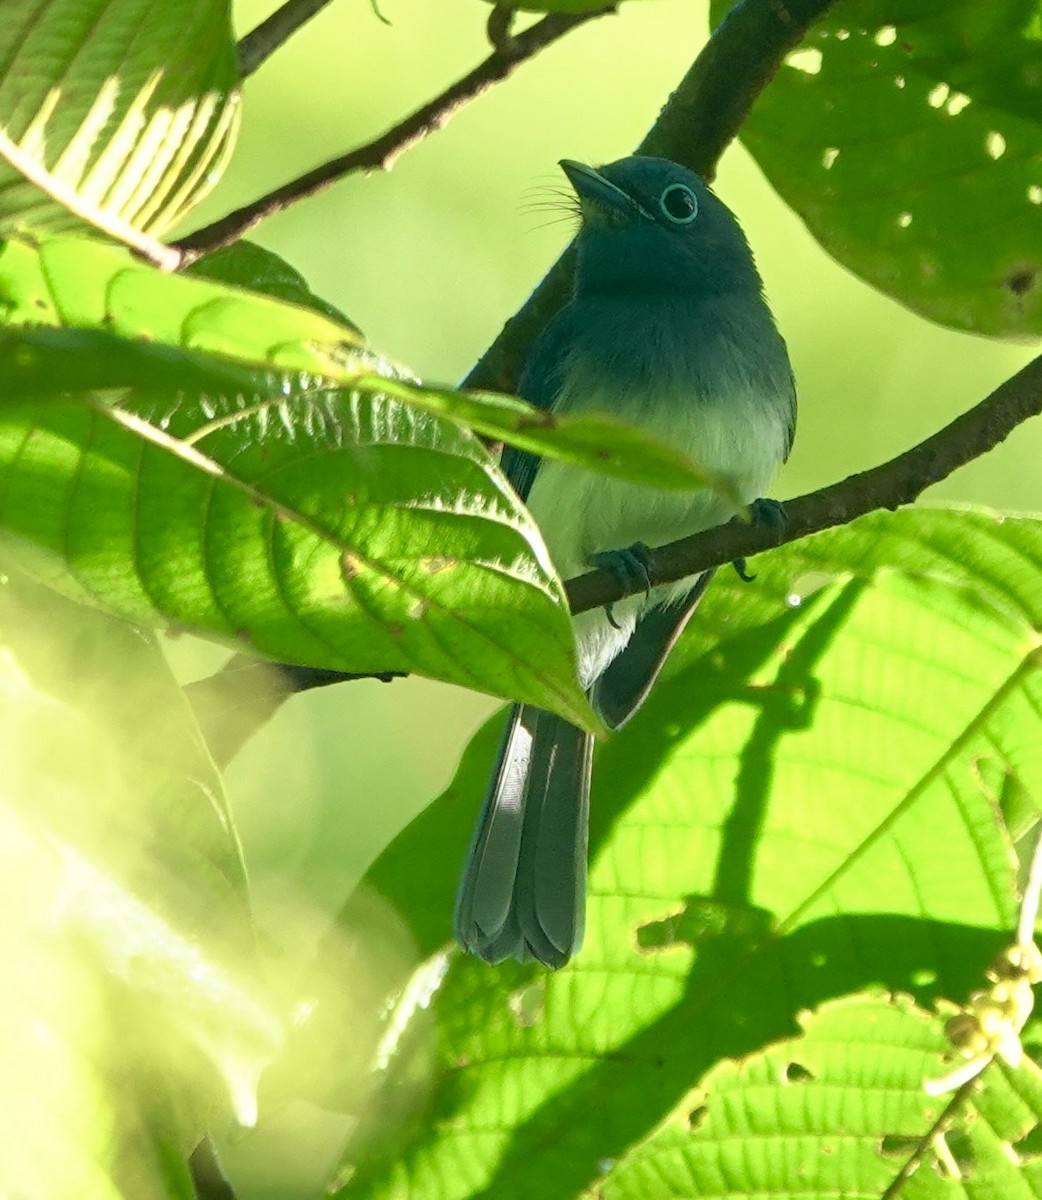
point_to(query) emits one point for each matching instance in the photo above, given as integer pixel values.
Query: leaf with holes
(840, 1111)
(804, 809)
(130, 1013)
(195, 333)
(124, 108)
(909, 139)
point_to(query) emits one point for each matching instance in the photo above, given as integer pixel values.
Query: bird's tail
(523, 891)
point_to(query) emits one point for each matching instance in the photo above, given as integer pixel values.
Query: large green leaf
(130, 107)
(808, 807)
(130, 1011)
(836, 1112)
(332, 528)
(907, 135)
(244, 264)
(337, 530)
(231, 339)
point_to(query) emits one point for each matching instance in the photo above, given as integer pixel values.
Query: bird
(668, 330)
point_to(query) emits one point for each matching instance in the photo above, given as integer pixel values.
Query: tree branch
(698, 123)
(891, 485)
(382, 152)
(260, 43)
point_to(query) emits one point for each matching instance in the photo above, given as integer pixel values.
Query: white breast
(582, 513)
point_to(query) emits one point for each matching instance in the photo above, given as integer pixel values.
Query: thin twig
(937, 1130)
(891, 485)
(260, 43)
(697, 124)
(381, 153)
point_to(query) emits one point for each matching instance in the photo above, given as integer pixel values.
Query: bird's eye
(679, 204)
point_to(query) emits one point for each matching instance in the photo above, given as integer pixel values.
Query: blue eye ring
(678, 204)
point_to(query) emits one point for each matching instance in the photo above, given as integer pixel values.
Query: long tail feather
(524, 883)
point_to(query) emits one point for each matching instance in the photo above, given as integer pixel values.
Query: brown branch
(698, 123)
(891, 485)
(381, 153)
(269, 35)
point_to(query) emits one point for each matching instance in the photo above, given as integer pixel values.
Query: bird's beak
(591, 186)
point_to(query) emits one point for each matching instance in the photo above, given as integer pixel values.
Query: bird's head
(649, 224)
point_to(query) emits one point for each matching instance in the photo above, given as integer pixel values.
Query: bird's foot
(761, 512)
(767, 512)
(629, 567)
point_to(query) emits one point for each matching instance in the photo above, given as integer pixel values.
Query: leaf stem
(234, 702)
(382, 152)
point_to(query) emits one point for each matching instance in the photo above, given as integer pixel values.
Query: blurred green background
(429, 260)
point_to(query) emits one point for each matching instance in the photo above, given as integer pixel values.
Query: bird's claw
(767, 512)
(629, 566)
(761, 512)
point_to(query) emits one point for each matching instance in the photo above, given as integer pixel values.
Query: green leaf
(252, 342)
(247, 265)
(336, 530)
(133, 127)
(838, 1111)
(130, 1012)
(333, 528)
(75, 284)
(907, 137)
(797, 814)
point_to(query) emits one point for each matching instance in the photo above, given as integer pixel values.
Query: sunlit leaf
(836, 1111)
(246, 265)
(256, 343)
(130, 1014)
(338, 528)
(908, 138)
(803, 810)
(134, 127)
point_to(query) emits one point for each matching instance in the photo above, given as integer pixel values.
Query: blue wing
(540, 385)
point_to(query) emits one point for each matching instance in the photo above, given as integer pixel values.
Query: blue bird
(667, 330)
